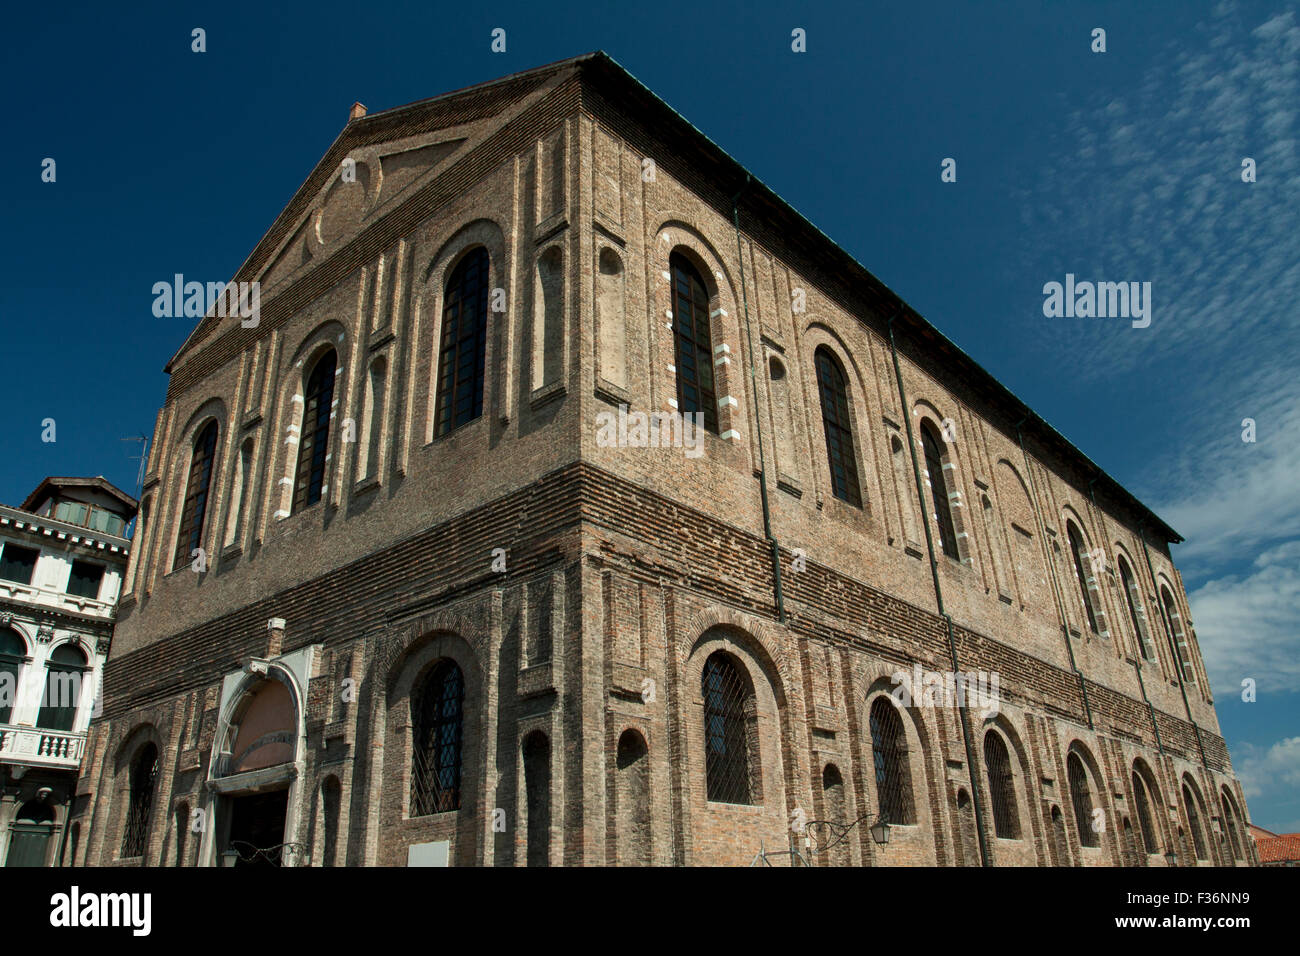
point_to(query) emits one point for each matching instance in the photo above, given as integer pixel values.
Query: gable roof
(51, 486)
(703, 166)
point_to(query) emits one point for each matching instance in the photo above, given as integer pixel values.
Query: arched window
(1230, 824)
(1177, 638)
(13, 651)
(331, 794)
(1133, 600)
(195, 508)
(833, 388)
(693, 344)
(438, 718)
(632, 799)
(182, 831)
(834, 811)
(1194, 820)
(462, 356)
(63, 676)
(1002, 787)
(1146, 822)
(313, 447)
(1080, 555)
(1081, 796)
(144, 778)
(372, 444)
(930, 442)
(728, 709)
(889, 753)
(239, 493)
(537, 798)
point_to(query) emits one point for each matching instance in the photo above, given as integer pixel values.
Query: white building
(62, 557)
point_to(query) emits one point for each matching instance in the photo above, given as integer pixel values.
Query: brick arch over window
(676, 244)
(1133, 604)
(421, 697)
(1148, 809)
(1085, 572)
(439, 309)
(942, 481)
(1197, 819)
(837, 426)
(1020, 525)
(293, 425)
(631, 810)
(1234, 835)
(1086, 794)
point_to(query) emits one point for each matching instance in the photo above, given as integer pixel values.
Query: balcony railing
(38, 747)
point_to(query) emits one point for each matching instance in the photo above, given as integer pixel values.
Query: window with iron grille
(1230, 824)
(728, 706)
(1194, 820)
(1002, 787)
(438, 718)
(889, 753)
(1081, 796)
(144, 775)
(1131, 596)
(939, 491)
(1177, 638)
(462, 353)
(197, 486)
(1080, 554)
(833, 388)
(313, 446)
(1145, 822)
(693, 344)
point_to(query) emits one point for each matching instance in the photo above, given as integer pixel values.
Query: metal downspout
(1051, 569)
(758, 416)
(938, 596)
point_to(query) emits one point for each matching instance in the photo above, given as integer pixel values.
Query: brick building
(440, 616)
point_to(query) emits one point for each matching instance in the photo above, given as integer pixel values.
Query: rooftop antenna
(143, 458)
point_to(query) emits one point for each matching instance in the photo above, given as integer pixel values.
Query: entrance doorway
(257, 826)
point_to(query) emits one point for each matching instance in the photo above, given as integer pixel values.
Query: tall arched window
(64, 674)
(373, 422)
(1081, 797)
(144, 778)
(728, 708)
(889, 754)
(1146, 823)
(1133, 599)
(693, 343)
(313, 447)
(438, 718)
(1194, 821)
(1002, 787)
(239, 492)
(834, 811)
(462, 356)
(197, 486)
(1080, 554)
(13, 651)
(632, 799)
(1178, 638)
(930, 442)
(1230, 824)
(833, 389)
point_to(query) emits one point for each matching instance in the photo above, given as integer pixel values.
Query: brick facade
(584, 731)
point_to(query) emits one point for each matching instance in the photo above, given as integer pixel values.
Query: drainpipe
(1173, 647)
(1057, 593)
(938, 596)
(758, 417)
(1137, 659)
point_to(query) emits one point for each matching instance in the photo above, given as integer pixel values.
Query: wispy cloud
(1272, 770)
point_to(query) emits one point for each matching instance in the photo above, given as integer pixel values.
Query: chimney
(358, 110)
(275, 637)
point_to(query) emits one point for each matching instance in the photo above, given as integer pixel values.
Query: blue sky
(1122, 166)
